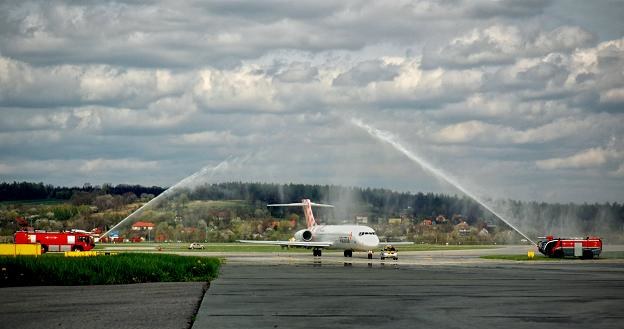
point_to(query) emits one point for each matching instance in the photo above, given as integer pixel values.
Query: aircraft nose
(370, 241)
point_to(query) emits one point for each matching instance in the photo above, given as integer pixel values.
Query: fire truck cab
(56, 241)
(587, 248)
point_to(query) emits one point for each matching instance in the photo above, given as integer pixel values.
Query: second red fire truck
(587, 248)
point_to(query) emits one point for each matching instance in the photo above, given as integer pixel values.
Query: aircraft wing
(311, 244)
(397, 243)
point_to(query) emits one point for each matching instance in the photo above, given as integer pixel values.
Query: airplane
(349, 238)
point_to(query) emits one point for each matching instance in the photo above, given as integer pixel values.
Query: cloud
(619, 172)
(88, 167)
(503, 44)
(365, 72)
(590, 158)
(243, 89)
(205, 138)
(22, 84)
(595, 157)
(298, 72)
(508, 8)
(480, 132)
(614, 96)
(98, 165)
(161, 90)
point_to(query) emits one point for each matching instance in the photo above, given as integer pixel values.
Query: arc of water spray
(170, 190)
(389, 138)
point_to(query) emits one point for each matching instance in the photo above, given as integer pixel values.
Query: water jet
(391, 139)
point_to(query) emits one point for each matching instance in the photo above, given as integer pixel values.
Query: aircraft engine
(303, 235)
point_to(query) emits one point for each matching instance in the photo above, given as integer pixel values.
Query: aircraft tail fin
(307, 209)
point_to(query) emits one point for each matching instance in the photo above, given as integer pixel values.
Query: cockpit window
(367, 233)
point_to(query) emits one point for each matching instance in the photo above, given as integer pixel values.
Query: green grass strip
(123, 268)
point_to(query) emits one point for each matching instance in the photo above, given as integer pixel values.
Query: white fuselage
(345, 237)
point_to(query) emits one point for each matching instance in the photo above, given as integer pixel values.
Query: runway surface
(134, 306)
(447, 290)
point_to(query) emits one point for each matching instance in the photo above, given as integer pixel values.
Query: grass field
(54, 269)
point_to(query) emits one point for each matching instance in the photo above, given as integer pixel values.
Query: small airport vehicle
(587, 248)
(57, 241)
(196, 245)
(389, 251)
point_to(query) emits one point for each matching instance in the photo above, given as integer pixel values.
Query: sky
(514, 99)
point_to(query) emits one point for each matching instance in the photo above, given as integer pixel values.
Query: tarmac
(143, 305)
(354, 295)
(449, 289)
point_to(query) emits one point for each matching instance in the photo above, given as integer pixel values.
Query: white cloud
(464, 132)
(242, 89)
(106, 165)
(615, 95)
(22, 84)
(479, 83)
(490, 134)
(561, 39)
(206, 138)
(619, 172)
(585, 159)
(298, 72)
(590, 158)
(502, 44)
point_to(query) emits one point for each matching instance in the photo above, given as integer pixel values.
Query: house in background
(143, 226)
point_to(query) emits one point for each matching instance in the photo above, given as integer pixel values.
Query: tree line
(350, 201)
(22, 191)
(384, 203)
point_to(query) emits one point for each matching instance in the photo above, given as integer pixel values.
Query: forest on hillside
(21, 191)
(193, 210)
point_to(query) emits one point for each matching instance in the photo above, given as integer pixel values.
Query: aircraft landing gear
(348, 253)
(370, 254)
(316, 252)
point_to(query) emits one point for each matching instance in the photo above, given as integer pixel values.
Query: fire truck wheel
(588, 254)
(558, 254)
(77, 248)
(44, 247)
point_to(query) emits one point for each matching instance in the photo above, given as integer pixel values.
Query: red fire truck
(587, 248)
(57, 241)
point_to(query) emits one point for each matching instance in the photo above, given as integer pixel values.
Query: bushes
(118, 269)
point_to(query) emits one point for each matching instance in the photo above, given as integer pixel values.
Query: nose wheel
(316, 252)
(370, 254)
(348, 253)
